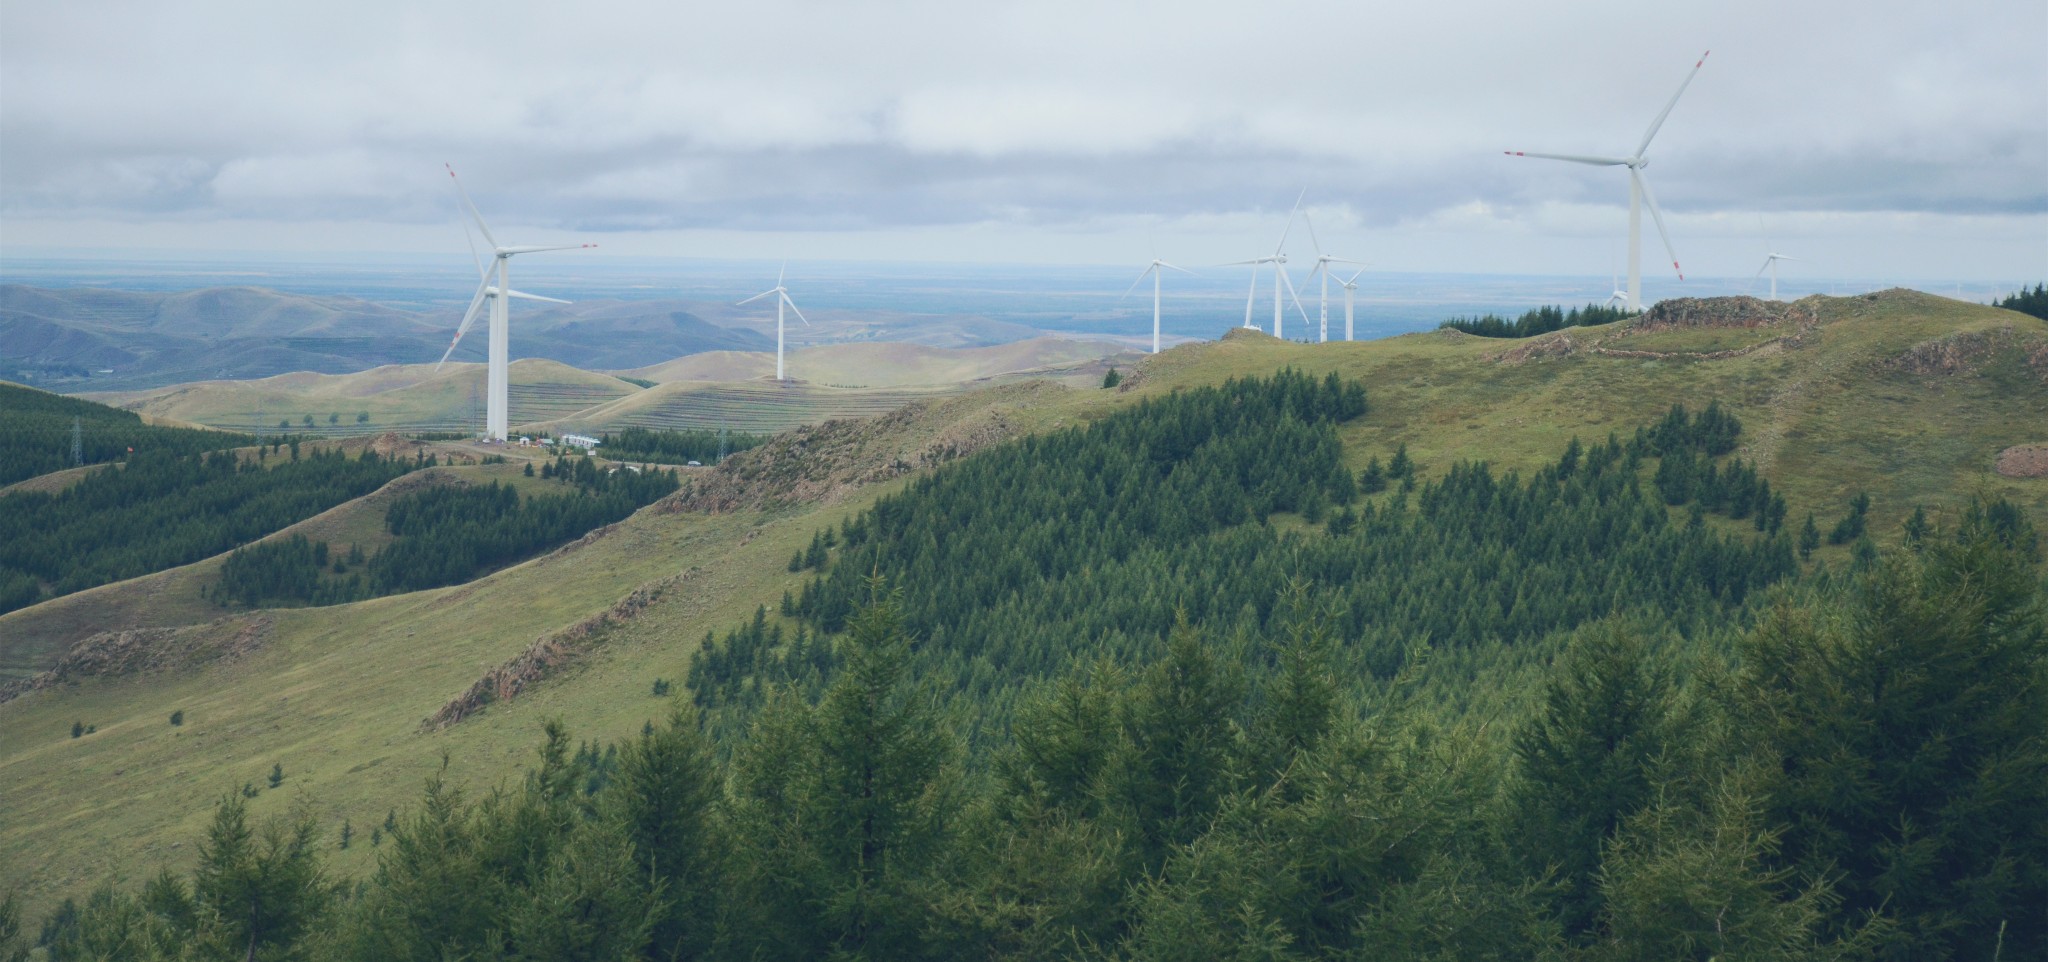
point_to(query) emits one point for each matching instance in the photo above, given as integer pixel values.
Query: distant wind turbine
(1323, 262)
(1617, 294)
(1638, 193)
(1154, 271)
(499, 294)
(1279, 261)
(1350, 288)
(1771, 264)
(781, 301)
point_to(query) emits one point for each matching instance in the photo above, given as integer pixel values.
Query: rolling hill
(1908, 397)
(886, 364)
(79, 338)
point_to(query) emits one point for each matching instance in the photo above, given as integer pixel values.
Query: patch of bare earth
(148, 650)
(2024, 461)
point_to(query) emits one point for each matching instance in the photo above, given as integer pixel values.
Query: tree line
(443, 535)
(2033, 302)
(161, 509)
(1541, 320)
(1859, 776)
(39, 434)
(676, 447)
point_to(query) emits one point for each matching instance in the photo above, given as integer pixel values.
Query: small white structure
(584, 441)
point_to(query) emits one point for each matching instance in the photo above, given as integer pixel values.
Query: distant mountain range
(78, 339)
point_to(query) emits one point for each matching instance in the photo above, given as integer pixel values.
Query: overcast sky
(1874, 138)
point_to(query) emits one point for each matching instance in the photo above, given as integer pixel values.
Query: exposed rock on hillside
(1750, 312)
(822, 463)
(2024, 461)
(140, 650)
(1969, 351)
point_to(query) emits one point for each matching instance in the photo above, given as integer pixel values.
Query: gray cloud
(1051, 119)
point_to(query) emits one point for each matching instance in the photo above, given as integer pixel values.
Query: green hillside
(1906, 397)
(40, 434)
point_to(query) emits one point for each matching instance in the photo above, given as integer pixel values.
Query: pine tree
(662, 803)
(262, 889)
(1586, 761)
(1809, 538)
(1913, 737)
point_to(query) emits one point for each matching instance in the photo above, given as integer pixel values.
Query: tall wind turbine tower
(1323, 262)
(781, 301)
(1154, 270)
(498, 291)
(1638, 193)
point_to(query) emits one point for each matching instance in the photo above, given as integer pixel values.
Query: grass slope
(408, 398)
(884, 364)
(1908, 396)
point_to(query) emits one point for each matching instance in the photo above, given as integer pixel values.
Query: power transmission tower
(77, 444)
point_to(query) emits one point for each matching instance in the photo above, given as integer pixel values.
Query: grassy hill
(894, 364)
(405, 398)
(1903, 395)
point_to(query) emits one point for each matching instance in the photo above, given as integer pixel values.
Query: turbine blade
(1767, 266)
(1573, 158)
(468, 317)
(1659, 122)
(1354, 277)
(1134, 284)
(1312, 238)
(1277, 248)
(784, 269)
(470, 239)
(522, 295)
(757, 297)
(535, 249)
(1281, 269)
(1180, 269)
(1658, 216)
(792, 306)
(1261, 260)
(471, 205)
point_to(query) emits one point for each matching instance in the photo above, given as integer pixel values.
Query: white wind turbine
(1638, 193)
(781, 301)
(1771, 264)
(1279, 261)
(499, 294)
(1617, 294)
(1323, 262)
(1154, 271)
(1350, 288)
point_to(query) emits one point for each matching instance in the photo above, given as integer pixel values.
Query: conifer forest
(1178, 684)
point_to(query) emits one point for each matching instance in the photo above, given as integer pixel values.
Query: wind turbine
(498, 408)
(1771, 264)
(781, 301)
(1638, 192)
(1350, 288)
(1323, 262)
(1617, 294)
(1154, 271)
(1279, 261)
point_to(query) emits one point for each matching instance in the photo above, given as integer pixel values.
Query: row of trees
(2033, 302)
(444, 535)
(1541, 320)
(161, 510)
(1860, 777)
(676, 447)
(40, 431)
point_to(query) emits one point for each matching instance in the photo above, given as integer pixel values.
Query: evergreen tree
(1586, 762)
(260, 890)
(663, 803)
(1912, 737)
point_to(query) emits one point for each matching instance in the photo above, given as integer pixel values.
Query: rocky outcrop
(147, 650)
